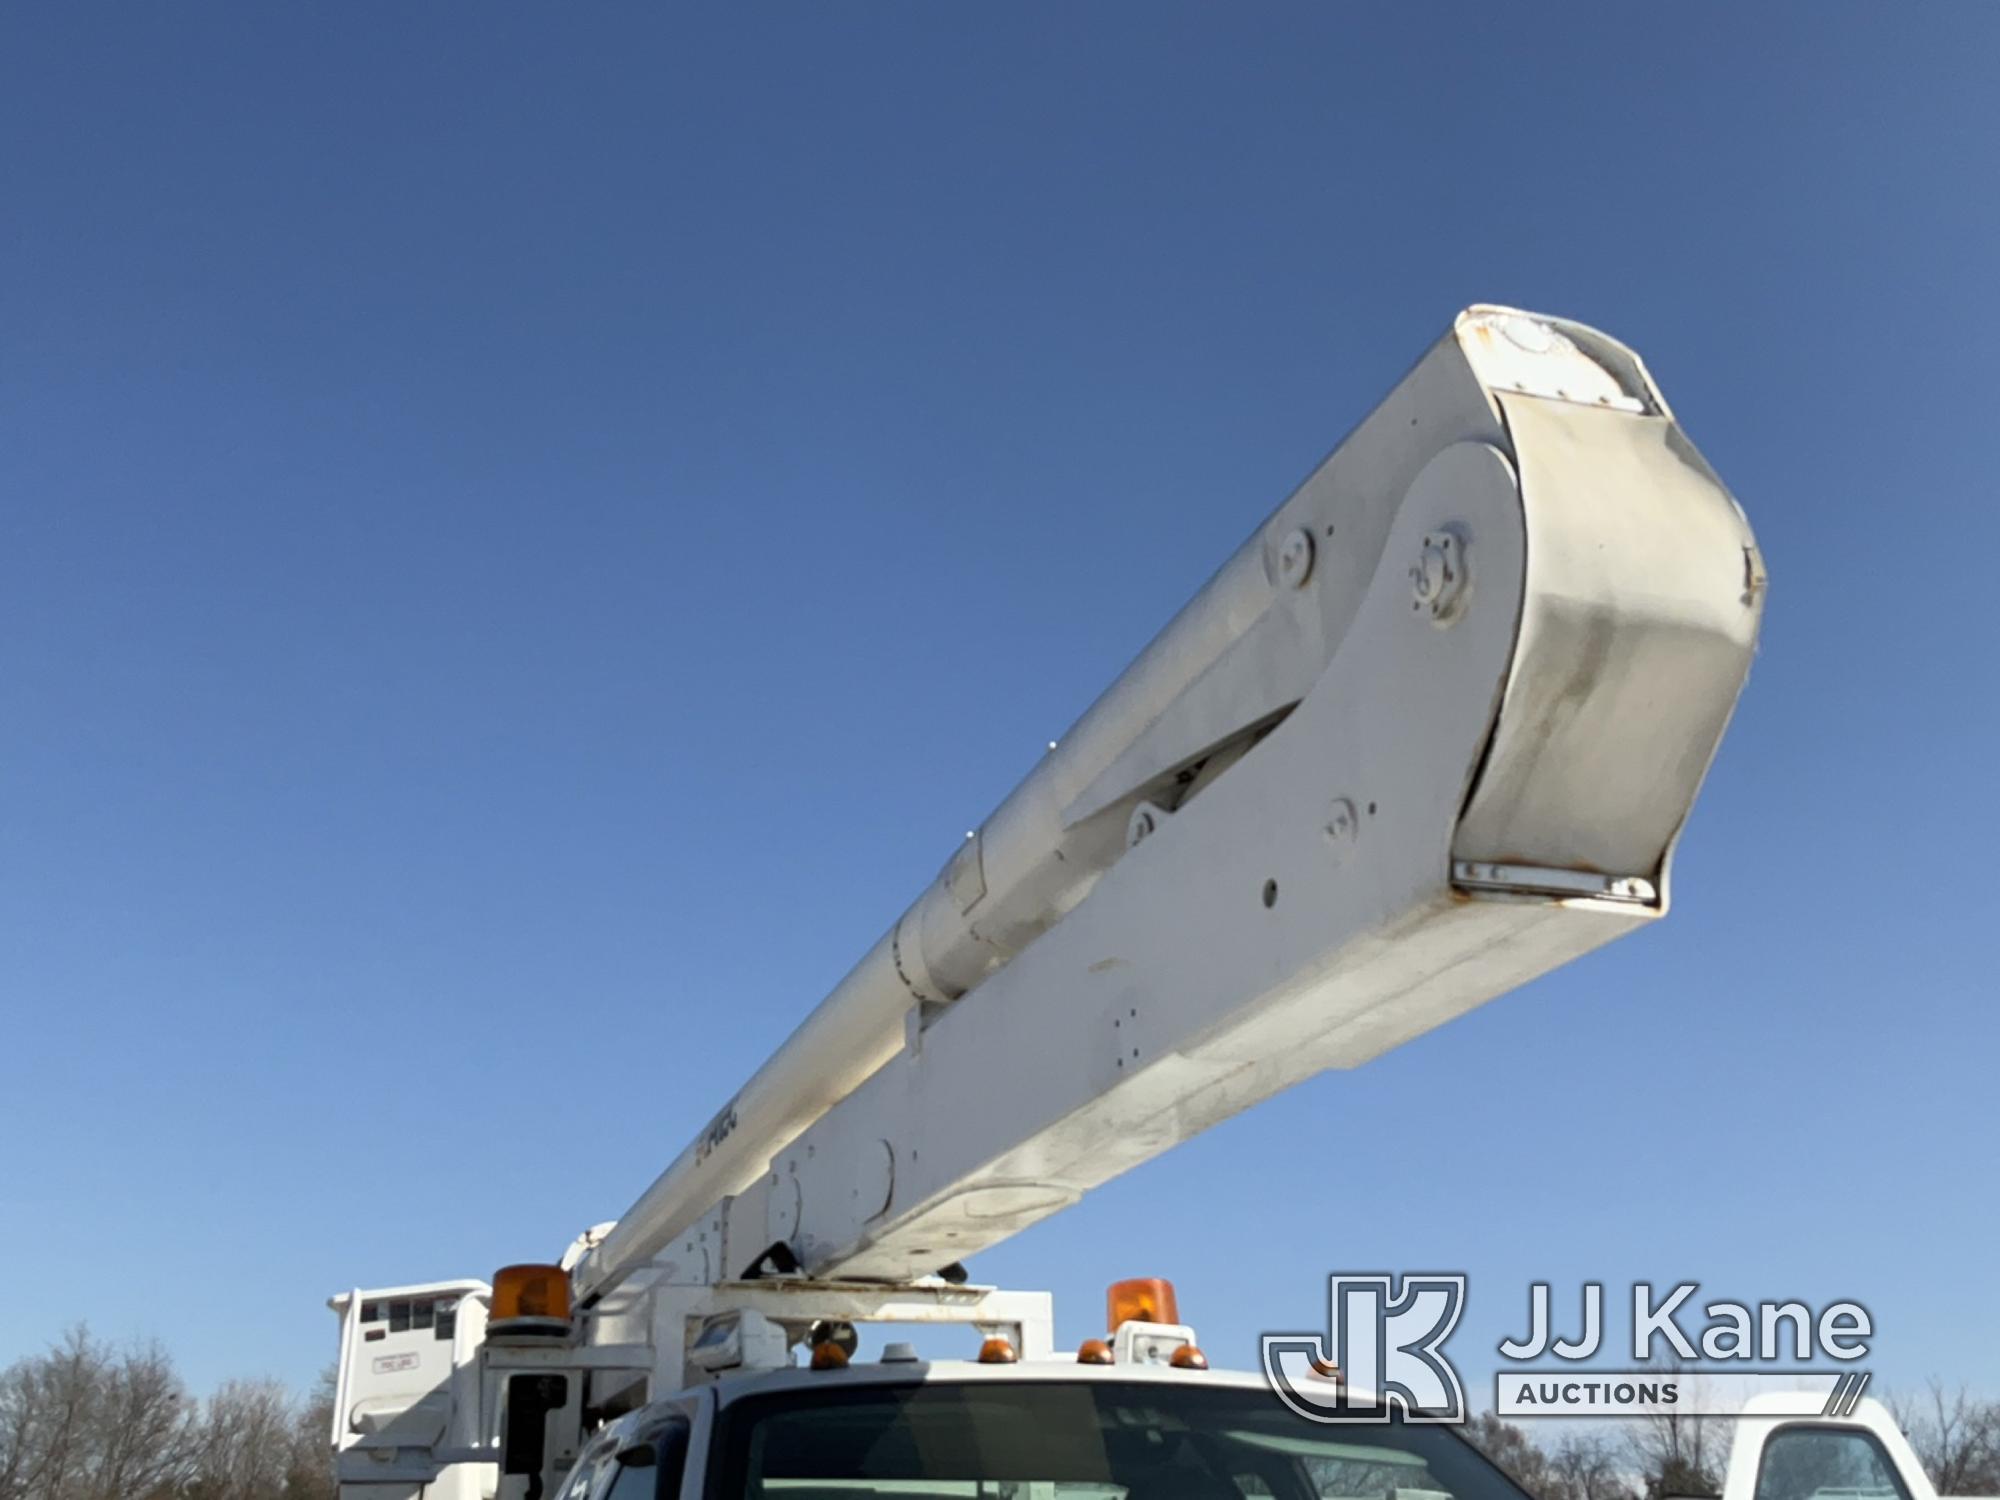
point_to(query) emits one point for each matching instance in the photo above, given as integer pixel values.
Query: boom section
(1431, 732)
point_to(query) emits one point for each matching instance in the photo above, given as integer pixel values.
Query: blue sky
(527, 534)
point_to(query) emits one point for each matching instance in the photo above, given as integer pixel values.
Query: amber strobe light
(1145, 1299)
(530, 1294)
(997, 1351)
(827, 1355)
(1187, 1357)
(1093, 1352)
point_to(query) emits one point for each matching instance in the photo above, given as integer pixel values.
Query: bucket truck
(1432, 731)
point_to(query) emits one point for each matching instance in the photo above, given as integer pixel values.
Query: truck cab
(1051, 1430)
(1058, 1431)
(1779, 1454)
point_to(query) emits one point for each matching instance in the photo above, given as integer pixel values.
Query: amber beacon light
(827, 1355)
(530, 1299)
(1145, 1299)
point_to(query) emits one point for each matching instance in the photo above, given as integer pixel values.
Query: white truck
(1432, 731)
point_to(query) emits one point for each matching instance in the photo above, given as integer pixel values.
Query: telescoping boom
(1433, 730)
(1430, 732)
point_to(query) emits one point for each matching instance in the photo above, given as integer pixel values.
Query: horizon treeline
(88, 1420)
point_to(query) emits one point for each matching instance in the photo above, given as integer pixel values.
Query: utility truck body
(1431, 732)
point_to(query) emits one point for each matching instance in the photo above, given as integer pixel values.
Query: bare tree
(59, 1390)
(244, 1450)
(1510, 1449)
(20, 1422)
(1675, 1453)
(143, 1426)
(1584, 1465)
(84, 1421)
(309, 1470)
(1957, 1437)
(1589, 1466)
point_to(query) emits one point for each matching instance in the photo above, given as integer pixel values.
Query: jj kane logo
(1382, 1355)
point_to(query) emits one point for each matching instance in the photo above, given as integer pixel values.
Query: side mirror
(640, 1455)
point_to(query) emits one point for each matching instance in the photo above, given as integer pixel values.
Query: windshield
(1095, 1440)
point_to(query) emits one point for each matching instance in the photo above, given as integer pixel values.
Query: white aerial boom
(1432, 731)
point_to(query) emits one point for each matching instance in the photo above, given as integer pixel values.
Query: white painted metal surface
(1025, 1319)
(407, 1387)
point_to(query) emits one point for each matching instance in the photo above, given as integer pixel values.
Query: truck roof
(922, 1372)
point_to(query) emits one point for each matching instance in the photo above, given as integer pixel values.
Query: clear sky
(527, 533)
